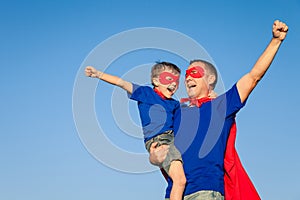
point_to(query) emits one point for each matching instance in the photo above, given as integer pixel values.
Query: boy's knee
(183, 181)
(180, 181)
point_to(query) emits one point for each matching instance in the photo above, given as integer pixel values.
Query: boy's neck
(159, 93)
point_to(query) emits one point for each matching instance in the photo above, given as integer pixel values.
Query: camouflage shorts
(168, 139)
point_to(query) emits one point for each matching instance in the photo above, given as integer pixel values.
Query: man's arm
(248, 82)
(92, 72)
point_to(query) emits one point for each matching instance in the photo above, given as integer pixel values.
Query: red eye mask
(166, 78)
(195, 72)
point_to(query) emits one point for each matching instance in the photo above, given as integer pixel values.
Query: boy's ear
(155, 82)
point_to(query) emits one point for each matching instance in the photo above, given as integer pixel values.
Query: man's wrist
(276, 41)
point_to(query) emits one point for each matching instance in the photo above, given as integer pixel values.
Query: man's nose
(188, 77)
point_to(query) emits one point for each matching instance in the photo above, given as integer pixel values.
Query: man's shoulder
(228, 92)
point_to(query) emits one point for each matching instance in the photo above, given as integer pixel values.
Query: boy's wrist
(99, 74)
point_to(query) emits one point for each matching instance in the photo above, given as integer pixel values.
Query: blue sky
(45, 44)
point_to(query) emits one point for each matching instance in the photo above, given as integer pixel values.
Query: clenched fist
(92, 72)
(280, 30)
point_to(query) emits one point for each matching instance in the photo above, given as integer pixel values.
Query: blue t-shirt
(156, 114)
(201, 135)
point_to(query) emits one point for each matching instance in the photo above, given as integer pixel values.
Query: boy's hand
(92, 72)
(280, 30)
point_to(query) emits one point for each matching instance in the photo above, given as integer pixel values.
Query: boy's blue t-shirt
(201, 135)
(156, 114)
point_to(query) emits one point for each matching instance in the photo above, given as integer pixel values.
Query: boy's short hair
(210, 67)
(161, 66)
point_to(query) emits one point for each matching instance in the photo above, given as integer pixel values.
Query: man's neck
(199, 96)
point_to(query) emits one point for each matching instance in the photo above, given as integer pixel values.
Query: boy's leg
(177, 175)
(172, 164)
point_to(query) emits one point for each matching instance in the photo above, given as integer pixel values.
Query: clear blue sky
(44, 45)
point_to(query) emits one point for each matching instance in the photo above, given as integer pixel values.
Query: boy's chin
(168, 95)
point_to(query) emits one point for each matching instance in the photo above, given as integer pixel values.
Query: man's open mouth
(191, 85)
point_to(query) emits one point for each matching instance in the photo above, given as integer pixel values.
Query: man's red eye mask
(195, 72)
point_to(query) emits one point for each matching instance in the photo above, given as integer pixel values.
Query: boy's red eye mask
(195, 72)
(166, 78)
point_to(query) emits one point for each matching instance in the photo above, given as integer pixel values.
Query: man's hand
(158, 154)
(280, 30)
(212, 94)
(92, 72)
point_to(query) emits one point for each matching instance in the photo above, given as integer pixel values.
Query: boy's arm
(92, 72)
(249, 81)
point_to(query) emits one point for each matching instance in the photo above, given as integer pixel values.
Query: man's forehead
(194, 64)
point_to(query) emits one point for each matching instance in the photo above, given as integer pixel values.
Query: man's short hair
(209, 67)
(161, 66)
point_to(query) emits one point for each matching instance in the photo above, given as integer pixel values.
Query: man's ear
(211, 79)
(155, 82)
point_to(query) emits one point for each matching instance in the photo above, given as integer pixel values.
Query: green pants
(204, 195)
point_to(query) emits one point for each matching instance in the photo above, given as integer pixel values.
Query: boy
(156, 108)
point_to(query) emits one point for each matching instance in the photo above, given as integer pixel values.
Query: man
(205, 129)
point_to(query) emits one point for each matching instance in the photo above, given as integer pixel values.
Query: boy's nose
(174, 84)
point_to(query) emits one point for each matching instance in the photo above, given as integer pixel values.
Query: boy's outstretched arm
(92, 72)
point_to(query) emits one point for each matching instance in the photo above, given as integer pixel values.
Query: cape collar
(195, 102)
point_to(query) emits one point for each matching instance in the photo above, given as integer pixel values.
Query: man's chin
(191, 93)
